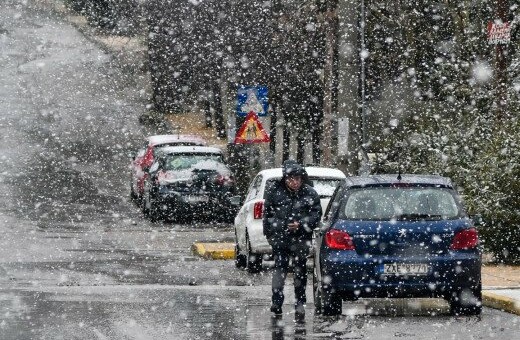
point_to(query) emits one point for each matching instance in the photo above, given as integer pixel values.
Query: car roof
(312, 171)
(190, 149)
(371, 180)
(166, 139)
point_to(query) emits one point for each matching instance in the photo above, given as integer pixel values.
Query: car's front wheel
(466, 301)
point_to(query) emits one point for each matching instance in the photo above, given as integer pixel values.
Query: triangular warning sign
(251, 131)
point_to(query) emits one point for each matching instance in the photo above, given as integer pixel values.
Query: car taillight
(337, 239)
(258, 210)
(224, 180)
(465, 239)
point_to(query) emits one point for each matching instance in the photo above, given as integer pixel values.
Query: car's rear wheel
(150, 207)
(145, 208)
(155, 212)
(466, 301)
(240, 259)
(172, 216)
(331, 303)
(326, 301)
(253, 261)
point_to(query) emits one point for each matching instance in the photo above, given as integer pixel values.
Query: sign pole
(501, 64)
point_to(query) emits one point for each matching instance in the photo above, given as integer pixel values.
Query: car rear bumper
(364, 278)
(199, 203)
(259, 244)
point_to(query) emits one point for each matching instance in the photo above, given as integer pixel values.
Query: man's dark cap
(292, 168)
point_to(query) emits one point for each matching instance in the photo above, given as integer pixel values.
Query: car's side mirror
(153, 168)
(323, 226)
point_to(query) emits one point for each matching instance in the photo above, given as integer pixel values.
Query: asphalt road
(78, 260)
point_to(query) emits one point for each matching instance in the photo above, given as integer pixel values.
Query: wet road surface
(78, 260)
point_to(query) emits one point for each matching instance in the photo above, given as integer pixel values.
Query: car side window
(333, 203)
(254, 188)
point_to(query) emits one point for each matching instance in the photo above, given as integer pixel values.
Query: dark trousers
(298, 251)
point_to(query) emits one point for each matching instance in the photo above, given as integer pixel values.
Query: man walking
(291, 211)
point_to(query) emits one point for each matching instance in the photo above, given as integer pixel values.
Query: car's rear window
(180, 143)
(192, 160)
(399, 203)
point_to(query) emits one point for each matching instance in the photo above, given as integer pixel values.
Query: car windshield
(399, 203)
(193, 160)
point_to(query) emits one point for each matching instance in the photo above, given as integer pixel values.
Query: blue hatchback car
(397, 236)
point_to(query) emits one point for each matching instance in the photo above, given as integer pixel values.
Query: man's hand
(293, 226)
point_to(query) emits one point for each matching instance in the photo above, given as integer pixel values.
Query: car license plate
(405, 268)
(196, 199)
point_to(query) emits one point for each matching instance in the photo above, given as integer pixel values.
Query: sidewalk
(501, 287)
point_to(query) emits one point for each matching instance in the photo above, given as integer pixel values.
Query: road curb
(497, 301)
(214, 251)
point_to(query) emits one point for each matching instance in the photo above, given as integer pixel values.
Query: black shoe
(299, 312)
(276, 310)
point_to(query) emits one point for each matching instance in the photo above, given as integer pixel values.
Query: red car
(144, 158)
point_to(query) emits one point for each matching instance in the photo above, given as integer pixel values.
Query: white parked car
(250, 243)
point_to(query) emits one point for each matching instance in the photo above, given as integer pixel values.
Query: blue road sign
(252, 98)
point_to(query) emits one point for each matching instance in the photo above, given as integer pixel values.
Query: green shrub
(497, 192)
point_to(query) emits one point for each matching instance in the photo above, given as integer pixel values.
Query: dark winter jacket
(283, 206)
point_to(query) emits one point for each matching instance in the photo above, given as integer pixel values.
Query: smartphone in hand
(293, 226)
